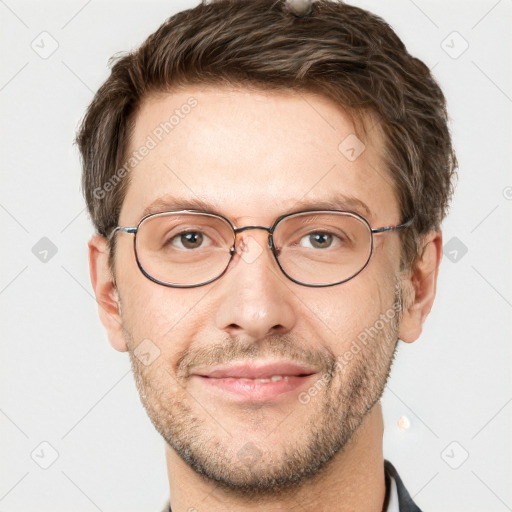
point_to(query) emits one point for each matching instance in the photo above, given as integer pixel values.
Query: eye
(189, 240)
(320, 240)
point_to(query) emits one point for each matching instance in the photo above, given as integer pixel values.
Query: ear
(104, 287)
(420, 287)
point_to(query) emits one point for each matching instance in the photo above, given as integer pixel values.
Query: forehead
(253, 155)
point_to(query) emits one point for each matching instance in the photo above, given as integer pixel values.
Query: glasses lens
(322, 248)
(184, 249)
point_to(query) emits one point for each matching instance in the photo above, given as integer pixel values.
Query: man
(267, 181)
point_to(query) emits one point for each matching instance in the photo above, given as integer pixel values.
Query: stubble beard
(312, 440)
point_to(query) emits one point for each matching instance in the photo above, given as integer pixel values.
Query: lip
(237, 381)
(256, 370)
(251, 390)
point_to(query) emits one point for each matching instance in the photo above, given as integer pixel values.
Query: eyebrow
(338, 202)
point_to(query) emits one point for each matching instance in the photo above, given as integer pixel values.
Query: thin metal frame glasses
(352, 233)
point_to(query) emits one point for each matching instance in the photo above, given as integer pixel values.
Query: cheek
(162, 314)
(150, 310)
(341, 313)
(171, 318)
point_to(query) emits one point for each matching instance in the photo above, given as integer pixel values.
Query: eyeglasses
(189, 248)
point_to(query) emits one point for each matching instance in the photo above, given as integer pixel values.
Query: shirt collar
(405, 502)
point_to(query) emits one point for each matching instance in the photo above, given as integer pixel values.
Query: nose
(255, 300)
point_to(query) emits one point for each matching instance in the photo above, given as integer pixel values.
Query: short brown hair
(339, 51)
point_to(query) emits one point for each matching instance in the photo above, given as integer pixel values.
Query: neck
(353, 480)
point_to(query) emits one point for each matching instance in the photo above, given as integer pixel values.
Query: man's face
(253, 156)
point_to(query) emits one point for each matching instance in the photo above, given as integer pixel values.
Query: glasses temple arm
(393, 228)
(119, 228)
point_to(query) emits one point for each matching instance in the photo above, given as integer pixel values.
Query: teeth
(274, 378)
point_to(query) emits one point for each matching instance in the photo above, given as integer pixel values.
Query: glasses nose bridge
(264, 228)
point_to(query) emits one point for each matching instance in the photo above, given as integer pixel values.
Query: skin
(252, 156)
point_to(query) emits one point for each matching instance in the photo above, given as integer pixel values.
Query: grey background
(64, 386)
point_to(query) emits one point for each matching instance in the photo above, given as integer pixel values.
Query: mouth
(256, 381)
